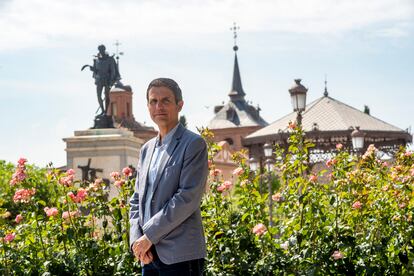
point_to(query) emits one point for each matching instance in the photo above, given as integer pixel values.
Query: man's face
(162, 107)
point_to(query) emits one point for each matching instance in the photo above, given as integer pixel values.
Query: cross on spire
(325, 93)
(234, 29)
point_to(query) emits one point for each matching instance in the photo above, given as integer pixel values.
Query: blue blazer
(175, 227)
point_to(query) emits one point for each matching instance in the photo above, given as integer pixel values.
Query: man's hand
(141, 249)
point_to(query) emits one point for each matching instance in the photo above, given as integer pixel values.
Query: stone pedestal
(109, 150)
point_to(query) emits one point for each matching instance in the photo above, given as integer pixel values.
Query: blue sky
(364, 47)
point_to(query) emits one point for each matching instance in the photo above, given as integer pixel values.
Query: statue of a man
(106, 74)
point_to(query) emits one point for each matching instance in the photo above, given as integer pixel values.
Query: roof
(328, 114)
(237, 112)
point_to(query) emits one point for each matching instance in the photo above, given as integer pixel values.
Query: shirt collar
(167, 139)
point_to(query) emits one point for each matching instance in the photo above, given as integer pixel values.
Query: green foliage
(354, 218)
(76, 238)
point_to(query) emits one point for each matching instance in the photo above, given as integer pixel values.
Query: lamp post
(298, 98)
(269, 163)
(358, 138)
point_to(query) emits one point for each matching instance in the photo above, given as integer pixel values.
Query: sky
(365, 49)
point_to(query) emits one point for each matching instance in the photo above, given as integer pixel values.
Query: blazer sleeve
(135, 231)
(187, 198)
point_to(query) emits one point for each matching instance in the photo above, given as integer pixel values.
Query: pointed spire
(325, 93)
(236, 92)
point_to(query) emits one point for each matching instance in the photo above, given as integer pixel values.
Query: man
(166, 232)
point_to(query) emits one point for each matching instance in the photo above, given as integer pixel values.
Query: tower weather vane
(234, 29)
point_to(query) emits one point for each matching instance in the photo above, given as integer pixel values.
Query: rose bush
(354, 218)
(59, 226)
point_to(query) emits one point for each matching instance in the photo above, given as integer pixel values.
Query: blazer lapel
(169, 152)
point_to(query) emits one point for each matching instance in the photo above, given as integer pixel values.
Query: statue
(106, 74)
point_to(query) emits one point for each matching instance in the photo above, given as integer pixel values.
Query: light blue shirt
(159, 151)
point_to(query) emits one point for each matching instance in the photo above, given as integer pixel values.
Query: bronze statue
(106, 74)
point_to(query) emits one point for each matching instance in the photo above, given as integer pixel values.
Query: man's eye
(166, 101)
(153, 102)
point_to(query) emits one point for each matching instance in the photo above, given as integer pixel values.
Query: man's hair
(170, 84)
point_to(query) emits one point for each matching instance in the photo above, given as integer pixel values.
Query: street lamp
(298, 97)
(268, 150)
(357, 139)
(253, 164)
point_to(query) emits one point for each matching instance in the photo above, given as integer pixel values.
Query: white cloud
(31, 23)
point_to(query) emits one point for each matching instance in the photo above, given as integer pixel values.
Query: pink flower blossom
(221, 188)
(412, 172)
(80, 195)
(22, 161)
(23, 195)
(339, 146)
(215, 172)
(115, 175)
(402, 205)
(313, 178)
(277, 197)
(67, 180)
(259, 229)
(408, 153)
(51, 212)
(292, 125)
(96, 185)
(331, 162)
(18, 218)
(244, 182)
(70, 172)
(20, 174)
(337, 255)
(119, 183)
(127, 171)
(238, 171)
(9, 237)
(357, 205)
(67, 214)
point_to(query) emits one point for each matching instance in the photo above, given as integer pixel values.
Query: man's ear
(180, 105)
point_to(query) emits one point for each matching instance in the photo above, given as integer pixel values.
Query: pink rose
(277, 197)
(244, 183)
(115, 175)
(339, 146)
(18, 218)
(408, 153)
(67, 180)
(119, 183)
(51, 212)
(259, 229)
(66, 215)
(22, 161)
(127, 171)
(292, 125)
(228, 184)
(337, 255)
(313, 178)
(80, 195)
(238, 171)
(331, 162)
(357, 205)
(221, 188)
(9, 237)
(215, 172)
(70, 172)
(23, 195)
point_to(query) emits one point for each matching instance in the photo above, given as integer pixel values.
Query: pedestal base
(103, 121)
(109, 150)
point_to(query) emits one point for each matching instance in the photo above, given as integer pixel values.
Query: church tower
(237, 118)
